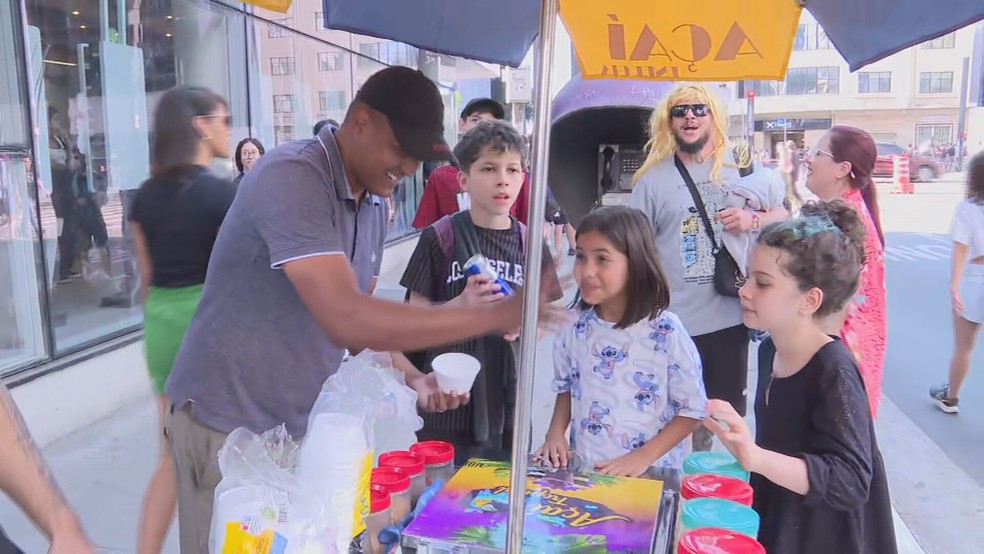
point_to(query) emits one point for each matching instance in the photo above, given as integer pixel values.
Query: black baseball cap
(484, 105)
(414, 108)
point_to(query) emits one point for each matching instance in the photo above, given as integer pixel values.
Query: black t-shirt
(821, 414)
(430, 274)
(180, 217)
(503, 248)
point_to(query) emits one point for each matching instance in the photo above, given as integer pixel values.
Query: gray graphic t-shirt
(686, 252)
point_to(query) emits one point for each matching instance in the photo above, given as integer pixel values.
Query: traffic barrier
(900, 175)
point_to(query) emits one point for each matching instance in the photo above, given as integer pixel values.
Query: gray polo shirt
(253, 356)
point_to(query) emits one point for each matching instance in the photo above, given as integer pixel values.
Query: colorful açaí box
(565, 512)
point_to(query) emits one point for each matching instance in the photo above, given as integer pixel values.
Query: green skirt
(167, 314)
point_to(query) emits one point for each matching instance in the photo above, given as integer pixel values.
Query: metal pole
(104, 20)
(534, 254)
(962, 114)
(121, 19)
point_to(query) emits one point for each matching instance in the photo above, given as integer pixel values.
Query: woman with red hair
(840, 167)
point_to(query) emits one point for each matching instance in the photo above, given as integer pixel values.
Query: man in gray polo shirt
(290, 283)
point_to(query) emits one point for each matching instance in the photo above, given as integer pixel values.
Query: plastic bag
(278, 498)
(368, 386)
(363, 409)
(261, 505)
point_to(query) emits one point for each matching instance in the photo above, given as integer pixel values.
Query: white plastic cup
(455, 372)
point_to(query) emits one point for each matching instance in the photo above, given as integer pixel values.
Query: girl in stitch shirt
(626, 373)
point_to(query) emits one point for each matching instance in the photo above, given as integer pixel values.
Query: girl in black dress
(819, 481)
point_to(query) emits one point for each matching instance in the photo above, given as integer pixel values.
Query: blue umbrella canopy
(499, 32)
(502, 31)
(865, 31)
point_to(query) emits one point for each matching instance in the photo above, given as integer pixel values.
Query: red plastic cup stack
(707, 485)
(711, 540)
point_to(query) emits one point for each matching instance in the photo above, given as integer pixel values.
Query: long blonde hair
(662, 144)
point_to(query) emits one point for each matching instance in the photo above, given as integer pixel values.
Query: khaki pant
(195, 450)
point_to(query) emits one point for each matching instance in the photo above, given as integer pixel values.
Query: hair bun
(844, 217)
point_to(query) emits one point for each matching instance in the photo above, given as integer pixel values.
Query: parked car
(921, 168)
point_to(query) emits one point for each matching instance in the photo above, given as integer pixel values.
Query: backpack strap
(445, 236)
(465, 243)
(464, 247)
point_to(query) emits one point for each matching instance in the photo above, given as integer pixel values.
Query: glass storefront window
(21, 328)
(98, 82)
(94, 71)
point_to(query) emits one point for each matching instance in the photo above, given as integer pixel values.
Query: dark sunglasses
(699, 110)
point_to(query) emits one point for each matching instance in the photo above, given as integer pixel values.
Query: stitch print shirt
(627, 384)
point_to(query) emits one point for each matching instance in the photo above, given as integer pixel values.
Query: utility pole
(962, 115)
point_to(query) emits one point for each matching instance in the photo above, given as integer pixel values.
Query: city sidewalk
(105, 467)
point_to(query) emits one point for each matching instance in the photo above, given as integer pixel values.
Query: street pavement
(937, 488)
(934, 459)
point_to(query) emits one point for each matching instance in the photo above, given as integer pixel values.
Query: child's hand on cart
(633, 464)
(555, 451)
(728, 425)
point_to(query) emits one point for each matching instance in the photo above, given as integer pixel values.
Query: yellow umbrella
(282, 6)
(682, 40)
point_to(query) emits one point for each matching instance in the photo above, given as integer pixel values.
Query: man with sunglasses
(693, 127)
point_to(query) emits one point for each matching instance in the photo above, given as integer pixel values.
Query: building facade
(77, 95)
(910, 98)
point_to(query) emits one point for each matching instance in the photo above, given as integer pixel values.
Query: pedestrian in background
(966, 286)
(175, 218)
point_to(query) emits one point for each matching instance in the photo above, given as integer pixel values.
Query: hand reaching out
(728, 425)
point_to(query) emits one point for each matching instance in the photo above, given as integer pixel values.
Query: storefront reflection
(21, 336)
(95, 75)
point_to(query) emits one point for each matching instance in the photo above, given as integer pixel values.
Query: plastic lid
(708, 485)
(434, 452)
(379, 498)
(713, 540)
(717, 512)
(718, 463)
(393, 480)
(404, 460)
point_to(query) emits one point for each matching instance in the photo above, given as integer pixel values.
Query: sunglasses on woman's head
(699, 110)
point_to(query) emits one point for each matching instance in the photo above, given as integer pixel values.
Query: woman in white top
(966, 285)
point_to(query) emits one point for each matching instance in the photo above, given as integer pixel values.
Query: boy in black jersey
(491, 161)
